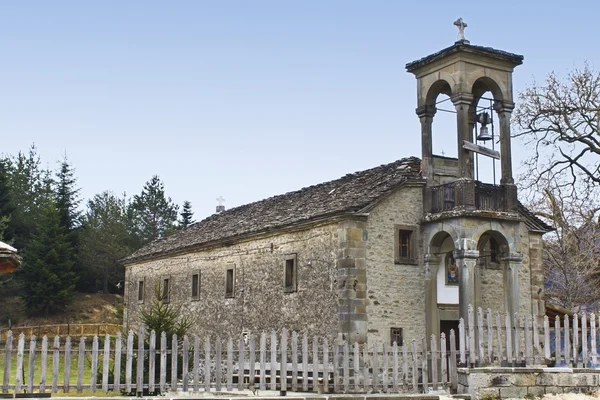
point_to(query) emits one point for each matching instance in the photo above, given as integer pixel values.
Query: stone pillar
(464, 129)
(426, 114)
(504, 110)
(512, 262)
(352, 281)
(466, 261)
(431, 303)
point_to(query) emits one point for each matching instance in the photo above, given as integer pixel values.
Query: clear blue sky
(248, 99)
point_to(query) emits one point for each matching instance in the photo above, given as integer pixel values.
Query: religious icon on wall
(451, 270)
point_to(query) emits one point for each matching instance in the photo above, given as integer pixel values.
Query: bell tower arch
(454, 198)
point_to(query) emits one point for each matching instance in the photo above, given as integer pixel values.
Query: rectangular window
(166, 290)
(290, 274)
(140, 291)
(230, 282)
(196, 285)
(396, 336)
(405, 240)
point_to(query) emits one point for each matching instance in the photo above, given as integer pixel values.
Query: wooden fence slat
(139, 381)
(252, 361)
(356, 366)
(472, 338)
(273, 366)
(315, 364)
(229, 363)
(501, 355)
(336, 367)
(517, 336)
(152, 362)
(294, 361)
(43, 364)
(129, 362)
(546, 338)
(584, 340)
(425, 367)
(594, 353)
(462, 343)
(404, 367)
(196, 364)
(536, 341)
(490, 336)
(567, 340)
(575, 340)
(444, 363)
(218, 366)
(241, 363)
(346, 368)
(94, 375)
(509, 335)
(105, 362)
(528, 346)
(557, 340)
(174, 356)
(80, 364)
(326, 365)
(185, 363)
(20, 358)
(117, 367)
(283, 368)
(434, 360)
(395, 366)
(207, 364)
(375, 366)
(481, 355)
(31, 366)
(67, 366)
(304, 362)
(55, 363)
(365, 367)
(415, 366)
(162, 380)
(453, 366)
(7, 360)
(263, 361)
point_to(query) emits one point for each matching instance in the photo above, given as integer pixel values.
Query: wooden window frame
(197, 295)
(412, 246)
(393, 334)
(169, 283)
(230, 294)
(141, 295)
(293, 259)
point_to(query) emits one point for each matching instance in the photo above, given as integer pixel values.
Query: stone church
(390, 253)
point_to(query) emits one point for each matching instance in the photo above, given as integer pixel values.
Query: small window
(290, 274)
(230, 282)
(396, 336)
(166, 290)
(405, 245)
(140, 291)
(493, 250)
(196, 285)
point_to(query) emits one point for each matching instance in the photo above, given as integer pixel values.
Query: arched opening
(491, 288)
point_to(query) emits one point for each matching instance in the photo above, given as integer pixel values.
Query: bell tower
(475, 220)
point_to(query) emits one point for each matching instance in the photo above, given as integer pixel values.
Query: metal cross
(461, 25)
(221, 200)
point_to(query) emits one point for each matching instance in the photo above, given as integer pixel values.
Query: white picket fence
(291, 362)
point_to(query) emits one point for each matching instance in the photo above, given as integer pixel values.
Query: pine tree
(47, 271)
(6, 207)
(67, 196)
(151, 213)
(186, 215)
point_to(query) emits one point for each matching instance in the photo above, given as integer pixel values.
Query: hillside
(85, 309)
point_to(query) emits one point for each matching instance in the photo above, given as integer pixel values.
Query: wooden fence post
(67, 366)
(80, 364)
(94, 377)
(229, 363)
(55, 363)
(304, 362)
(7, 359)
(567, 340)
(207, 364)
(263, 361)
(129, 362)
(273, 373)
(117, 368)
(163, 363)
(315, 364)
(185, 363)
(44, 364)
(30, 379)
(241, 362)
(453, 367)
(593, 339)
(152, 362)
(294, 361)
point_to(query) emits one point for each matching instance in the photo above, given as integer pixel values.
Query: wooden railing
(63, 329)
(464, 194)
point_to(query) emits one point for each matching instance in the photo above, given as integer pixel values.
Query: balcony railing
(465, 194)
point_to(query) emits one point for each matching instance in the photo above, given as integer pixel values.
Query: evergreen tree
(47, 271)
(105, 240)
(6, 207)
(67, 196)
(186, 215)
(151, 213)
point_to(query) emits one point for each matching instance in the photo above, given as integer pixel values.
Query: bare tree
(560, 123)
(571, 253)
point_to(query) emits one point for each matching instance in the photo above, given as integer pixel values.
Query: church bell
(484, 133)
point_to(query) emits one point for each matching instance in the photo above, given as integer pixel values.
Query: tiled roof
(351, 193)
(532, 222)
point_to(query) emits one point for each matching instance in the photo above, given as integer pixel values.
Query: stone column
(504, 110)
(512, 262)
(352, 281)
(466, 261)
(431, 303)
(426, 114)
(463, 102)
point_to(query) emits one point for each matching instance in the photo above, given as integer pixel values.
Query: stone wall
(260, 302)
(519, 382)
(395, 291)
